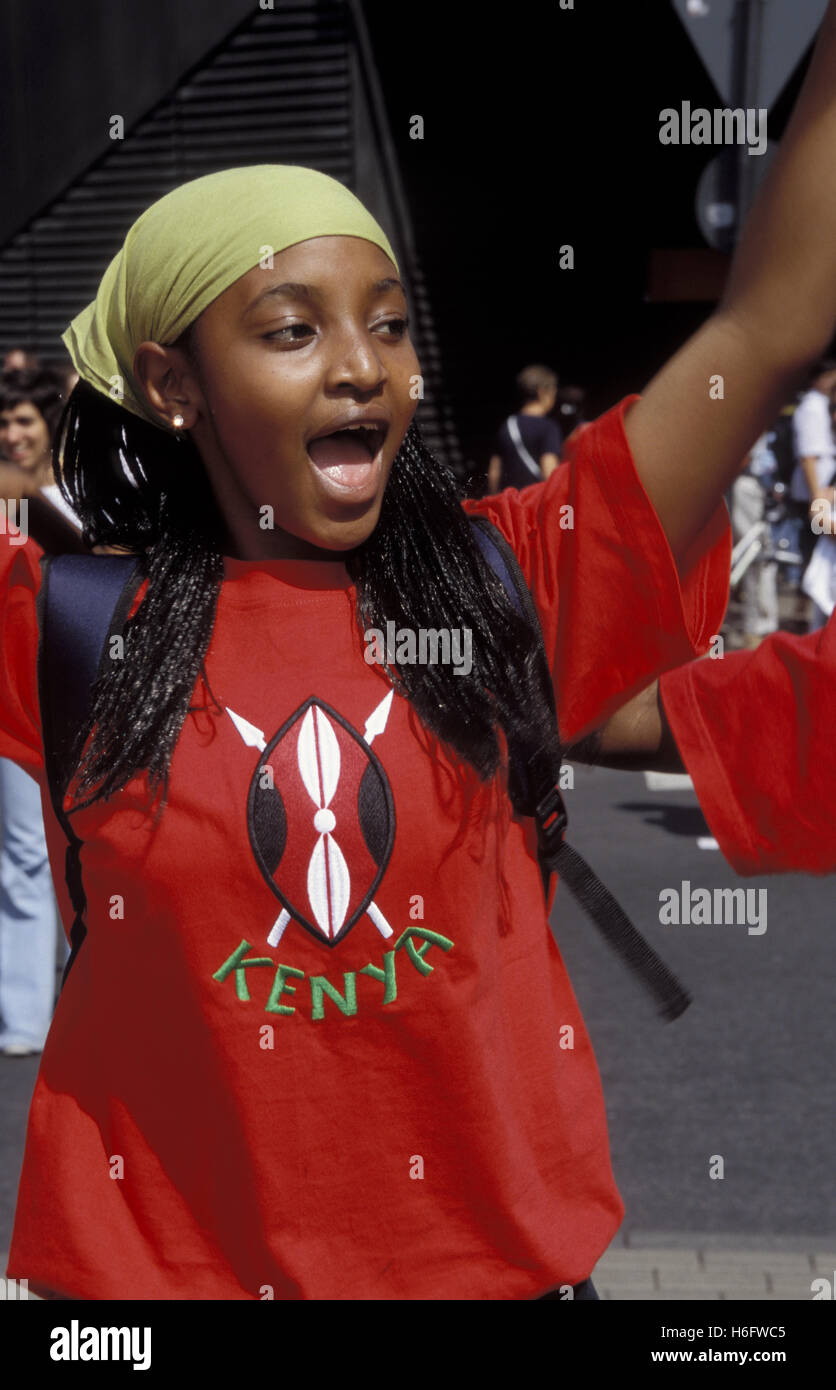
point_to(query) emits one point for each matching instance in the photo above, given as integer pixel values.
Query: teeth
(367, 429)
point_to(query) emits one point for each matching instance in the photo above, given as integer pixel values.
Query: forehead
(331, 264)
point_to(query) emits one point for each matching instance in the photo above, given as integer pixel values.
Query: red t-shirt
(316, 1043)
(755, 731)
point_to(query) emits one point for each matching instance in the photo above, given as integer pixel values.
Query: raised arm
(777, 315)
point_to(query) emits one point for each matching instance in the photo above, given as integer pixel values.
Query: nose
(356, 362)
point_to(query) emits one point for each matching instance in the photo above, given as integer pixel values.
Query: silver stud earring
(178, 422)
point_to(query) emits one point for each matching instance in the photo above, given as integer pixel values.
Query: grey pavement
(746, 1074)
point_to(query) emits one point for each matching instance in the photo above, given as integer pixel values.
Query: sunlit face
(24, 436)
(282, 358)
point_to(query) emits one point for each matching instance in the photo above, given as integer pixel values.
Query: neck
(43, 474)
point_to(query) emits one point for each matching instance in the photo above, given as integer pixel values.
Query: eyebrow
(291, 287)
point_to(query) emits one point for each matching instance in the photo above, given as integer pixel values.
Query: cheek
(260, 425)
(254, 400)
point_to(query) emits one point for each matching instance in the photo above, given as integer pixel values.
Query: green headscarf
(188, 248)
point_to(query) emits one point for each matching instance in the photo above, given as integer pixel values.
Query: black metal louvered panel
(278, 90)
(287, 87)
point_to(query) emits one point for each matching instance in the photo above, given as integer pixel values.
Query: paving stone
(751, 1259)
(758, 1298)
(728, 1287)
(678, 1295)
(629, 1259)
(625, 1279)
(718, 1240)
(689, 1294)
(798, 1290)
(679, 1262)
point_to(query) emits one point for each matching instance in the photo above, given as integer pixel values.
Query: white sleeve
(811, 427)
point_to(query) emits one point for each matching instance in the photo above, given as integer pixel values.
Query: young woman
(318, 1041)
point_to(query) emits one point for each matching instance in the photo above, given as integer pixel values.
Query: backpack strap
(516, 438)
(81, 601)
(537, 768)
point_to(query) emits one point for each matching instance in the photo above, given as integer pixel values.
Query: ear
(167, 378)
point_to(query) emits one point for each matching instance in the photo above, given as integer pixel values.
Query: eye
(401, 326)
(288, 328)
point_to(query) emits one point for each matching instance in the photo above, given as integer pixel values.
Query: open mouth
(349, 459)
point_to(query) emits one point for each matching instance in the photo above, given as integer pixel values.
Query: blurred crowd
(784, 517)
(783, 503)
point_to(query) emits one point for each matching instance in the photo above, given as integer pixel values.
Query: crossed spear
(254, 738)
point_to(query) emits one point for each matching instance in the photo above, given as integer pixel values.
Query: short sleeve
(755, 731)
(613, 608)
(20, 724)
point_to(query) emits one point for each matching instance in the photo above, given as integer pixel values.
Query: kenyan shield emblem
(321, 823)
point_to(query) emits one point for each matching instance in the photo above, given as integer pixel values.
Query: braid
(150, 493)
(165, 643)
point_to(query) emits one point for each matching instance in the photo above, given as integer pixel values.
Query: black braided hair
(137, 487)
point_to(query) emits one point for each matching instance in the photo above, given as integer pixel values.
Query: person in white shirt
(759, 589)
(812, 484)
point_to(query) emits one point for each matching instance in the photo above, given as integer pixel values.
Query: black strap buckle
(552, 820)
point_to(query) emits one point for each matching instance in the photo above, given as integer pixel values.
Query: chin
(340, 525)
(345, 535)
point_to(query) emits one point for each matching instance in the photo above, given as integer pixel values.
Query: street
(747, 1072)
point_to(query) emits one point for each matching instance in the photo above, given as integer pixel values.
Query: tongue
(344, 456)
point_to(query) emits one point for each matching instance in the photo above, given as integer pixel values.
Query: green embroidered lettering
(280, 986)
(319, 986)
(416, 953)
(386, 976)
(237, 963)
